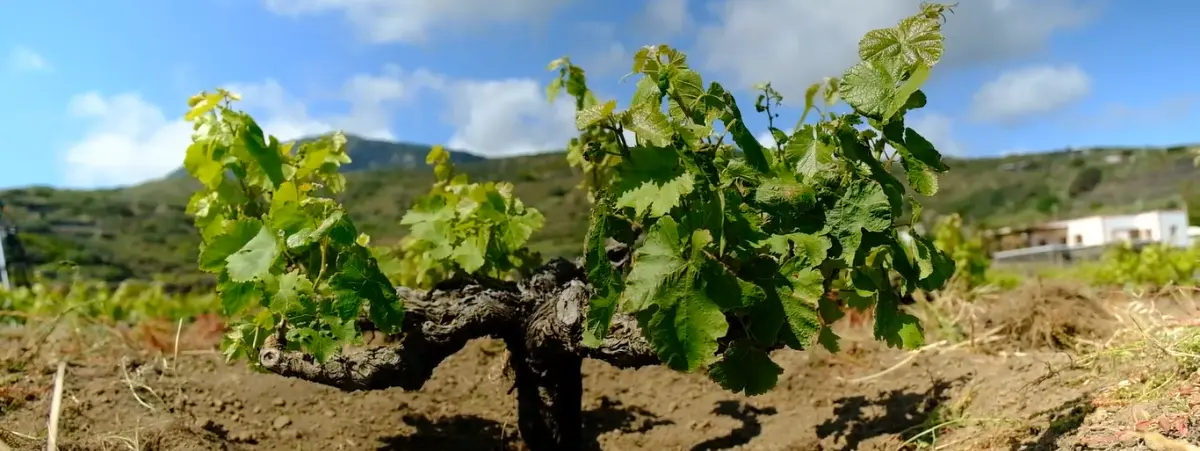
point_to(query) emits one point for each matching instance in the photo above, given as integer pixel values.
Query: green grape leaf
(308, 235)
(687, 89)
(800, 298)
(863, 206)
(247, 251)
(685, 327)
(893, 326)
(941, 267)
(288, 296)
(470, 252)
(785, 195)
(658, 262)
(236, 297)
(727, 289)
(747, 369)
(270, 162)
(317, 344)
(201, 104)
(810, 96)
(646, 92)
(604, 278)
(649, 124)
(870, 86)
(358, 275)
(657, 199)
(199, 162)
(923, 150)
(753, 150)
(809, 155)
(915, 40)
(594, 114)
(910, 86)
(516, 228)
(829, 340)
(255, 259)
(921, 178)
(215, 252)
(829, 310)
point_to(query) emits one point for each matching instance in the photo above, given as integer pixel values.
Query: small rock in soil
(243, 437)
(290, 434)
(282, 422)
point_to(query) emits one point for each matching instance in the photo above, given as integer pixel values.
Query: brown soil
(992, 395)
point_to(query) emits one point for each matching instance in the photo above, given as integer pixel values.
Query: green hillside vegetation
(143, 232)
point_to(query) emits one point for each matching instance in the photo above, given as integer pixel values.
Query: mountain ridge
(369, 154)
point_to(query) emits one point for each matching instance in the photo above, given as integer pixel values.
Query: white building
(1166, 226)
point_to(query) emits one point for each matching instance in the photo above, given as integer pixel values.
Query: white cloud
(939, 130)
(795, 43)
(1028, 91)
(1136, 113)
(766, 138)
(372, 100)
(597, 48)
(24, 59)
(507, 117)
(127, 140)
(278, 112)
(662, 18)
(415, 20)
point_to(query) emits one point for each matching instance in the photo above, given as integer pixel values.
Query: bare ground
(1048, 367)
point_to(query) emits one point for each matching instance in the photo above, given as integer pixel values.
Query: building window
(1078, 239)
(1174, 230)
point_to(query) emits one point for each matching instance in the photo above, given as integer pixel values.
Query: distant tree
(1191, 201)
(1048, 204)
(1085, 181)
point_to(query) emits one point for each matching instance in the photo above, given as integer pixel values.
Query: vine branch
(544, 314)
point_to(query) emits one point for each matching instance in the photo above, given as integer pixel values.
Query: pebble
(204, 423)
(242, 437)
(290, 434)
(282, 422)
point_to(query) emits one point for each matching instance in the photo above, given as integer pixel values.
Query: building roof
(1062, 223)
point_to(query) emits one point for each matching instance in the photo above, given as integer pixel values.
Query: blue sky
(97, 89)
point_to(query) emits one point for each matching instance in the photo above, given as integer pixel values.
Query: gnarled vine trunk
(540, 321)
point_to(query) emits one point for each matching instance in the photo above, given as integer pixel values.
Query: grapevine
(461, 227)
(740, 247)
(283, 253)
(971, 261)
(705, 249)
(1155, 265)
